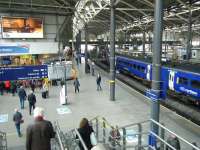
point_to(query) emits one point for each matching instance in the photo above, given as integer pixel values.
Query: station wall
(48, 44)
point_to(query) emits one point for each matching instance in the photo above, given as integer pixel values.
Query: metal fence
(3, 141)
(138, 136)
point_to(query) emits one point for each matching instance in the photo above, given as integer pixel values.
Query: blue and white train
(181, 83)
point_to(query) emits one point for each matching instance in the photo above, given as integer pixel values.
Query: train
(177, 82)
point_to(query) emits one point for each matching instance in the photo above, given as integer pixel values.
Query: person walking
(76, 85)
(32, 101)
(17, 118)
(7, 86)
(98, 80)
(92, 67)
(13, 88)
(1, 87)
(22, 96)
(40, 132)
(32, 85)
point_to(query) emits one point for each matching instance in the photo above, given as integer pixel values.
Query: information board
(23, 72)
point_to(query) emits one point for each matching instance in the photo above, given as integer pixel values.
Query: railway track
(187, 111)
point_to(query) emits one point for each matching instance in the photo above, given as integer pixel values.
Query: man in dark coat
(76, 85)
(98, 80)
(174, 142)
(17, 118)
(39, 133)
(22, 96)
(32, 101)
(1, 87)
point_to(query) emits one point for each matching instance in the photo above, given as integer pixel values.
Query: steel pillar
(112, 51)
(157, 49)
(165, 44)
(65, 82)
(189, 36)
(86, 50)
(143, 42)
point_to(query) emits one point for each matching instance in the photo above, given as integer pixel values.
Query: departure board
(23, 72)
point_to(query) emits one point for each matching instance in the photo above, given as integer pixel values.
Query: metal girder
(184, 4)
(87, 11)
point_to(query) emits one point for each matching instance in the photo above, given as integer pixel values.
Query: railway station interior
(100, 75)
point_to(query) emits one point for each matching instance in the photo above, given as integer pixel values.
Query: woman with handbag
(87, 134)
(17, 118)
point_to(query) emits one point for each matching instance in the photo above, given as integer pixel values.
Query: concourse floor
(129, 107)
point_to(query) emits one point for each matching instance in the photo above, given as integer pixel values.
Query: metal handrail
(57, 128)
(133, 124)
(80, 138)
(182, 139)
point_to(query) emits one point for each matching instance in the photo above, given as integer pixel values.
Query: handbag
(22, 121)
(93, 139)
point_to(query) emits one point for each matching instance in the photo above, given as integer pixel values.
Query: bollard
(97, 129)
(139, 136)
(162, 135)
(124, 138)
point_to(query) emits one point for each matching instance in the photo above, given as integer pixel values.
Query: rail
(3, 141)
(137, 136)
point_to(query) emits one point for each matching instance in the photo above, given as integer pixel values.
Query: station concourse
(129, 107)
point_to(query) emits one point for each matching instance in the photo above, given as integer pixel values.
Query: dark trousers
(22, 102)
(99, 87)
(76, 89)
(18, 129)
(30, 107)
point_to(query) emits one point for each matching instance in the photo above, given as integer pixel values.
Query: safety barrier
(137, 136)
(3, 141)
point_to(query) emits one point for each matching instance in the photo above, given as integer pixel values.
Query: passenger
(174, 142)
(40, 132)
(7, 86)
(76, 85)
(22, 96)
(85, 131)
(45, 90)
(92, 67)
(13, 88)
(195, 144)
(17, 118)
(2, 87)
(114, 137)
(98, 80)
(32, 101)
(32, 85)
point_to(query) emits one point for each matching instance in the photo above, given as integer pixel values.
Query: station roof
(59, 7)
(134, 15)
(131, 15)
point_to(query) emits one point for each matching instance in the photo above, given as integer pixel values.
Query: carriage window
(183, 80)
(195, 84)
(134, 66)
(142, 69)
(138, 67)
(177, 80)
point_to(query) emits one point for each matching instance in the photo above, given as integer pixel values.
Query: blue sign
(23, 72)
(14, 48)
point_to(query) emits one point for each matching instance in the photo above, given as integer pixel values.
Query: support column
(86, 50)
(157, 49)
(189, 36)
(112, 51)
(78, 45)
(165, 43)
(143, 42)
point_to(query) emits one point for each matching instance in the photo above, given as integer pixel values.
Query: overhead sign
(23, 72)
(14, 48)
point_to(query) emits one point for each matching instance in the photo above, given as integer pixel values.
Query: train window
(177, 80)
(138, 68)
(195, 84)
(142, 69)
(183, 80)
(134, 66)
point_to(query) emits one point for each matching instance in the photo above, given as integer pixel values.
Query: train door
(148, 72)
(171, 80)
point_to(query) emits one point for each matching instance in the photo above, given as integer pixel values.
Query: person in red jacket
(7, 86)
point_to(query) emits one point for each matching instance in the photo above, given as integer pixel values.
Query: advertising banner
(14, 48)
(22, 27)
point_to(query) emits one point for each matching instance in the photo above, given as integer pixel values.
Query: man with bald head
(17, 118)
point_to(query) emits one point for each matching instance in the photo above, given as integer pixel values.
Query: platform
(129, 107)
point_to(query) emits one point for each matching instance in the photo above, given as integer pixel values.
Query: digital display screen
(13, 27)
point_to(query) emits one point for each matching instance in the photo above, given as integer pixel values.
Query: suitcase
(44, 94)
